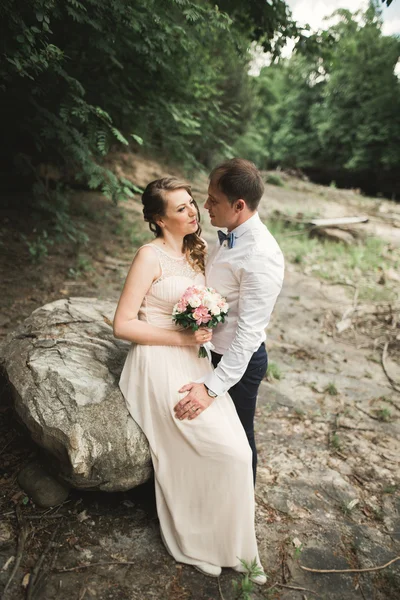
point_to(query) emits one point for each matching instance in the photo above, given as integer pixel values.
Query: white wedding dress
(203, 468)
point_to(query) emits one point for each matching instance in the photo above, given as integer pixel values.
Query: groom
(247, 268)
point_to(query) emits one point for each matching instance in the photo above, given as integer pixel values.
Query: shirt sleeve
(260, 280)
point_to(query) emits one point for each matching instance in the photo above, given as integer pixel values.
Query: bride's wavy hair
(154, 207)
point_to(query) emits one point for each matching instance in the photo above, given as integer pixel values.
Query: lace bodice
(171, 266)
(176, 276)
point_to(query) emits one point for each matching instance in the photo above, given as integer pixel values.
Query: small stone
(6, 533)
(44, 489)
(82, 516)
(8, 563)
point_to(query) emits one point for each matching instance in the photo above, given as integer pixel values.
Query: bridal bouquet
(200, 306)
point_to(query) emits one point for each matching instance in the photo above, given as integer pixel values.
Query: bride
(203, 467)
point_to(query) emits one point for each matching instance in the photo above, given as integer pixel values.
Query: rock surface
(63, 366)
(44, 489)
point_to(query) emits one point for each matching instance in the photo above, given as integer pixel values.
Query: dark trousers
(244, 394)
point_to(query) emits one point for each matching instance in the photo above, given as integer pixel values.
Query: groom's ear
(239, 205)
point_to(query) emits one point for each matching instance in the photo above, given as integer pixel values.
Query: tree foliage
(333, 108)
(78, 76)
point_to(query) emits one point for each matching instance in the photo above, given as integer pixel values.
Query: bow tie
(229, 237)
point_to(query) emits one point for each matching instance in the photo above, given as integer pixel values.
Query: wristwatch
(209, 392)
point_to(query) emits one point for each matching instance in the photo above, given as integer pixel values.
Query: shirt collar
(249, 224)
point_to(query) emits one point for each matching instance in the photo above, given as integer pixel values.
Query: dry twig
(366, 413)
(292, 587)
(35, 579)
(220, 590)
(367, 570)
(354, 428)
(82, 593)
(98, 564)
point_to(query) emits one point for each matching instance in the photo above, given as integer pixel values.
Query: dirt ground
(328, 494)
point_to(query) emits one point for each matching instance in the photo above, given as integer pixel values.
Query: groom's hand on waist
(192, 405)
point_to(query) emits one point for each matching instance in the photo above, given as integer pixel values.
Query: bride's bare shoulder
(146, 256)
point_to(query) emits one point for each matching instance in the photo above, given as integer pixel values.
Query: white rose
(215, 310)
(194, 301)
(208, 300)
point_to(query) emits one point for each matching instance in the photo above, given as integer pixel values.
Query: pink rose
(201, 315)
(182, 305)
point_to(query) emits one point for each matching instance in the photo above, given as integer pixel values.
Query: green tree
(358, 120)
(256, 141)
(80, 75)
(336, 110)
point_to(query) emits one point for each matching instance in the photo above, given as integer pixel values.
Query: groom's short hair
(239, 178)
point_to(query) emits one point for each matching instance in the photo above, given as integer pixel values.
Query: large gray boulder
(63, 365)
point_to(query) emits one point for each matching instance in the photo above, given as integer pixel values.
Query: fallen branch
(220, 590)
(367, 570)
(367, 413)
(292, 587)
(98, 564)
(271, 587)
(34, 580)
(361, 590)
(392, 382)
(338, 221)
(354, 428)
(82, 593)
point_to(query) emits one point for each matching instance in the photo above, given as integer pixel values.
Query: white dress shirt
(250, 277)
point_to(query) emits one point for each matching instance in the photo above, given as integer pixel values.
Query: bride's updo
(154, 206)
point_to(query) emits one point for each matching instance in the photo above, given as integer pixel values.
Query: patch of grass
(331, 389)
(39, 247)
(273, 371)
(298, 259)
(335, 442)
(391, 489)
(298, 551)
(378, 514)
(274, 179)
(83, 265)
(361, 263)
(245, 587)
(384, 414)
(299, 412)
